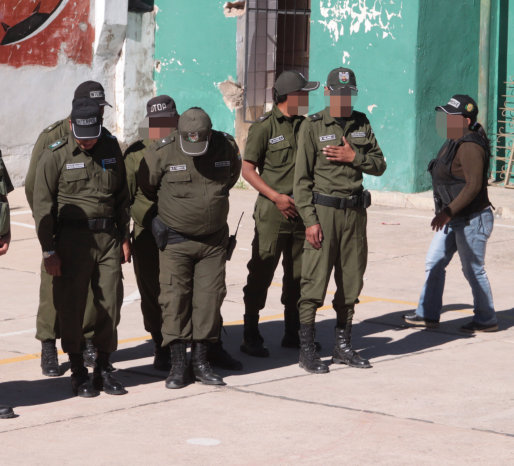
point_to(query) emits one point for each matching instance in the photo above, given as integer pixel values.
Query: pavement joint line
(366, 411)
(88, 416)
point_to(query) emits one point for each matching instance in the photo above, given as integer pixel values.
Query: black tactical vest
(446, 186)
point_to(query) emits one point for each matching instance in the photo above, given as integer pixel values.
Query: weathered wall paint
(377, 39)
(38, 32)
(446, 64)
(195, 50)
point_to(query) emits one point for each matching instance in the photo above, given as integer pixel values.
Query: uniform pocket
(279, 153)
(179, 183)
(75, 179)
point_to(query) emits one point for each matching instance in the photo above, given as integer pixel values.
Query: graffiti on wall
(40, 32)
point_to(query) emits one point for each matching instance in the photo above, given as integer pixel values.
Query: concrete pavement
(432, 396)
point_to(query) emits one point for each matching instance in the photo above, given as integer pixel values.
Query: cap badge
(469, 107)
(344, 77)
(454, 103)
(193, 137)
(96, 95)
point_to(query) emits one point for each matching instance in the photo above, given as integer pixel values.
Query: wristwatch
(47, 254)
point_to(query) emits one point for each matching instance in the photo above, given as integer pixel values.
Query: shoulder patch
(55, 145)
(315, 116)
(264, 117)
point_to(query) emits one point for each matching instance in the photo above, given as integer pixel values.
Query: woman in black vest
(464, 218)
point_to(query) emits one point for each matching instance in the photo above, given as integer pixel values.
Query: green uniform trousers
(345, 249)
(275, 236)
(47, 323)
(88, 257)
(146, 268)
(192, 278)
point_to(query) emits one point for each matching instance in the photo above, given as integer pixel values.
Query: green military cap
(194, 127)
(341, 78)
(293, 81)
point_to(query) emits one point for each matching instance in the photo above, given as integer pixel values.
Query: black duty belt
(93, 224)
(362, 199)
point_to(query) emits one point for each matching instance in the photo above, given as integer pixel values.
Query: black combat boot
(103, 378)
(6, 412)
(80, 383)
(291, 337)
(201, 368)
(179, 373)
(49, 360)
(89, 353)
(252, 339)
(219, 357)
(162, 356)
(309, 358)
(343, 352)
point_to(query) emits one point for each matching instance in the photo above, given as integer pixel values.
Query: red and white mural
(37, 32)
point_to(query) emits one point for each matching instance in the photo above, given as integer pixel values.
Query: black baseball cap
(460, 104)
(86, 118)
(341, 78)
(92, 90)
(194, 127)
(161, 106)
(293, 81)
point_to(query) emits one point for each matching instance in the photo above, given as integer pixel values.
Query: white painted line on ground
(20, 212)
(135, 296)
(204, 442)
(26, 225)
(10, 334)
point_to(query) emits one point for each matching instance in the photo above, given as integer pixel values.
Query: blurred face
(161, 127)
(341, 102)
(451, 126)
(298, 103)
(86, 144)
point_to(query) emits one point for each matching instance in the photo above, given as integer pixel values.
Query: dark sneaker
(417, 321)
(472, 327)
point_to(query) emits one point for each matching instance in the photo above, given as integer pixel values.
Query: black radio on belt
(231, 245)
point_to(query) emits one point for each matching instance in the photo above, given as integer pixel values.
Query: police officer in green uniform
(268, 166)
(162, 119)
(5, 238)
(81, 209)
(193, 169)
(336, 146)
(47, 323)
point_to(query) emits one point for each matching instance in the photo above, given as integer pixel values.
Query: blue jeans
(468, 237)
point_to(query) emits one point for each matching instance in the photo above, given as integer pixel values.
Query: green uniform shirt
(58, 130)
(271, 145)
(142, 209)
(314, 173)
(5, 188)
(192, 191)
(74, 184)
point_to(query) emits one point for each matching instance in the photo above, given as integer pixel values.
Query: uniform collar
(330, 120)
(277, 113)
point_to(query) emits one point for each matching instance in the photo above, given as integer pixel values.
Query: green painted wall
(196, 47)
(377, 39)
(446, 64)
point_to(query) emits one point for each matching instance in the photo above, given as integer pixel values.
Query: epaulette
(164, 141)
(111, 136)
(228, 136)
(264, 117)
(315, 116)
(59, 143)
(52, 126)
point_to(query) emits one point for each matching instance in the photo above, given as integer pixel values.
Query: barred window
(277, 39)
